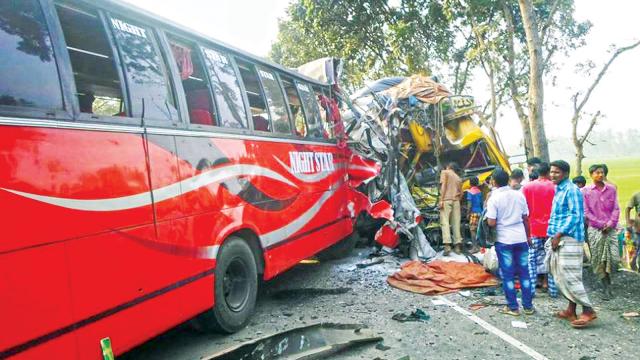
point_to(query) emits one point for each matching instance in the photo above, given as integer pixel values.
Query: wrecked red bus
(149, 175)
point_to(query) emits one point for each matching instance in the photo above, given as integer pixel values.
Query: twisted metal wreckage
(401, 132)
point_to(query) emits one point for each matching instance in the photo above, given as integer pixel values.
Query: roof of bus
(132, 10)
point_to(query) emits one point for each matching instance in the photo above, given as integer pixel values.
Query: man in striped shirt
(566, 232)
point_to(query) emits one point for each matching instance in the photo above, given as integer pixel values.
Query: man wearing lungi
(566, 232)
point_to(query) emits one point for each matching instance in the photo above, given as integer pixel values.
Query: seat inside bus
(195, 84)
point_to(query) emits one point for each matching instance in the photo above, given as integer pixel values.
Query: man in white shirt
(507, 211)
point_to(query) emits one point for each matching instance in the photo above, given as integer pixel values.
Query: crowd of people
(544, 224)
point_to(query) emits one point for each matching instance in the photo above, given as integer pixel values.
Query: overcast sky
(252, 25)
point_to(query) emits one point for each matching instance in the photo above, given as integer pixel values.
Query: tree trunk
(513, 87)
(579, 157)
(536, 89)
(494, 101)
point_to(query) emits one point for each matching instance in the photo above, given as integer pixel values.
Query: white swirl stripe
(281, 234)
(161, 194)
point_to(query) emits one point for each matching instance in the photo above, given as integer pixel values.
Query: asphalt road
(449, 333)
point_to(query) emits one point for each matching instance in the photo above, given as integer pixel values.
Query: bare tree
(578, 107)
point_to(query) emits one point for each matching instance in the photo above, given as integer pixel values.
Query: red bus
(148, 173)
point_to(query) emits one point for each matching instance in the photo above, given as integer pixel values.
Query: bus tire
(340, 249)
(235, 288)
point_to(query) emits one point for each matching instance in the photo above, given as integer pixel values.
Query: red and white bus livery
(149, 175)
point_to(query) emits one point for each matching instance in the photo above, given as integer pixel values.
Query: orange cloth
(440, 277)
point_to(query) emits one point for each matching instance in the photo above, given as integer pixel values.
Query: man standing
(516, 178)
(532, 165)
(602, 213)
(539, 195)
(507, 211)
(566, 232)
(474, 210)
(634, 203)
(450, 194)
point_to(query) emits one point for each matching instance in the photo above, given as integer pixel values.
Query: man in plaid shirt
(566, 232)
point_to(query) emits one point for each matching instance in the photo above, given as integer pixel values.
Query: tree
(373, 38)
(536, 89)
(500, 37)
(451, 37)
(579, 104)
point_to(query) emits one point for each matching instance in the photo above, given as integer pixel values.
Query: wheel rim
(235, 285)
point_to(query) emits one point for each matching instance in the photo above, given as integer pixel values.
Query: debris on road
(309, 342)
(288, 294)
(632, 314)
(519, 324)
(475, 307)
(439, 277)
(371, 262)
(419, 315)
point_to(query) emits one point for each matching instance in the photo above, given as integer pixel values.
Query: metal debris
(304, 343)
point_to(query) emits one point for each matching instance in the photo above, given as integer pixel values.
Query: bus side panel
(58, 177)
(36, 301)
(329, 226)
(136, 324)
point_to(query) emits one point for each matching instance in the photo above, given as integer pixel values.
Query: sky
(252, 25)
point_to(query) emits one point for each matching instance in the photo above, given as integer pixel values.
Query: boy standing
(474, 210)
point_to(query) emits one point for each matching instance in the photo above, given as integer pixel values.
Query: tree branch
(547, 24)
(602, 72)
(594, 120)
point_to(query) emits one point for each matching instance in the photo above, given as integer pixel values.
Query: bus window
(226, 90)
(275, 99)
(258, 105)
(311, 112)
(28, 73)
(327, 126)
(97, 82)
(195, 84)
(149, 88)
(295, 106)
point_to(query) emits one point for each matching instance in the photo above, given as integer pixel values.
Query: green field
(624, 172)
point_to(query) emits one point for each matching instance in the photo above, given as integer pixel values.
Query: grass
(624, 172)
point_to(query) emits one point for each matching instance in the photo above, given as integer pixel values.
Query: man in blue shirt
(566, 232)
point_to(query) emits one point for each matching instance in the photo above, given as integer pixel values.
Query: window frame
(219, 128)
(61, 60)
(246, 97)
(284, 97)
(304, 109)
(180, 93)
(160, 47)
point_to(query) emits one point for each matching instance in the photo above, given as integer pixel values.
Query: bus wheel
(235, 286)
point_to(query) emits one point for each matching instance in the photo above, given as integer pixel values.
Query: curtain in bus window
(182, 55)
(145, 71)
(275, 101)
(28, 73)
(226, 90)
(311, 112)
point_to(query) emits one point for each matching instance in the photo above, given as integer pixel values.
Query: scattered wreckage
(402, 131)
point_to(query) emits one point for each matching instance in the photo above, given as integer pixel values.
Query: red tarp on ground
(440, 277)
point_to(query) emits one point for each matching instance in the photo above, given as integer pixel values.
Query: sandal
(584, 320)
(505, 310)
(566, 315)
(529, 311)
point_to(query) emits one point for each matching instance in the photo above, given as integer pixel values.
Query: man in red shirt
(539, 195)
